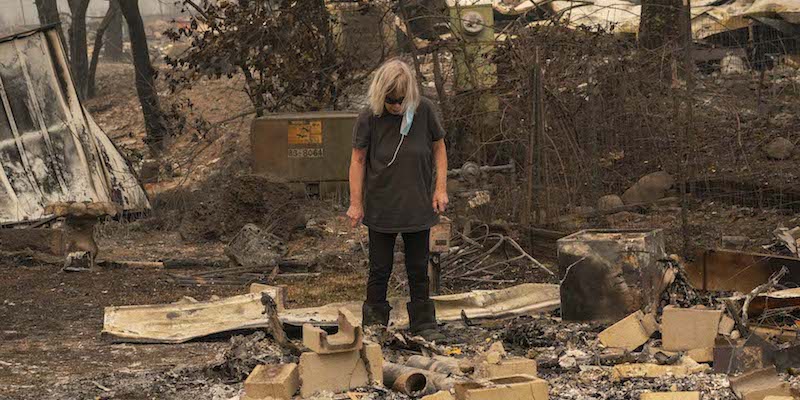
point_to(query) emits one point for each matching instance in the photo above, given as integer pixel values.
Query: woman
(397, 141)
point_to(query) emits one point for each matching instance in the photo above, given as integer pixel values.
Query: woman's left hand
(440, 201)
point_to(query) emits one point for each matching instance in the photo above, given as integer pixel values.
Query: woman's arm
(357, 168)
(440, 199)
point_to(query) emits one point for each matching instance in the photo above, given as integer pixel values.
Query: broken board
(181, 322)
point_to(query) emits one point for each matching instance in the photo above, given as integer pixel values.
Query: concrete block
(685, 329)
(337, 373)
(495, 353)
(629, 332)
(628, 371)
(272, 382)
(349, 338)
(441, 395)
(507, 367)
(461, 388)
(278, 293)
(517, 387)
(372, 353)
(671, 396)
(701, 355)
(726, 325)
(45, 240)
(758, 384)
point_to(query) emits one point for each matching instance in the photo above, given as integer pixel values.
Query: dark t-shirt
(399, 198)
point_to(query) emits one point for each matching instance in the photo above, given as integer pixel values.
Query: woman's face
(394, 103)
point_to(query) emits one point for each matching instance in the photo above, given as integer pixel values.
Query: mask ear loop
(405, 127)
(397, 150)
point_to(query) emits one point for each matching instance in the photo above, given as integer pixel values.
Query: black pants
(381, 260)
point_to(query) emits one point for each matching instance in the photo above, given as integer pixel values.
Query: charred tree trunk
(113, 11)
(145, 77)
(660, 23)
(48, 11)
(329, 89)
(48, 14)
(113, 42)
(79, 59)
(256, 96)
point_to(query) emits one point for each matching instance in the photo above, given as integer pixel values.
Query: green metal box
(473, 26)
(308, 148)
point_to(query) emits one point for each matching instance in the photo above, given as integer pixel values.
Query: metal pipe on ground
(435, 381)
(404, 379)
(464, 365)
(410, 383)
(430, 364)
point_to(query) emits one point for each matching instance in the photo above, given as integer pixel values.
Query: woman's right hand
(356, 214)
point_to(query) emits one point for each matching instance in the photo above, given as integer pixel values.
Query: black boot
(422, 320)
(375, 314)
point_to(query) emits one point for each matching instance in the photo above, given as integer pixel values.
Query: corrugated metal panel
(788, 10)
(178, 323)
(50, 148)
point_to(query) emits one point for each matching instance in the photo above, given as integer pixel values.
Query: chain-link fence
(706, 127)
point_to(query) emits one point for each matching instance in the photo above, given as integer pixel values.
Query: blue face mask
(408, 119)
(405, 127)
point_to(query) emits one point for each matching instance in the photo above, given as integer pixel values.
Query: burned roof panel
(50, 148)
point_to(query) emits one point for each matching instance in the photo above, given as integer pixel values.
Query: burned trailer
(51, 150)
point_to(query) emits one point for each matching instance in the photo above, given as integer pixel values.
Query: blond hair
(394, 76)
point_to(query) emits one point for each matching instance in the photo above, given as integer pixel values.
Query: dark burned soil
(52, 322)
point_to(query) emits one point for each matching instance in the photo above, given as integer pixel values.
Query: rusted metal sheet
(778, 334)
(781, 356)
(609, 274)
(50, 148)
(729, 270)
(731, 357)
(788, 299)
